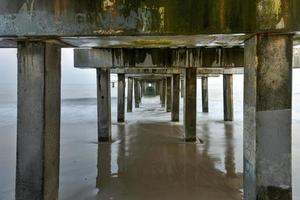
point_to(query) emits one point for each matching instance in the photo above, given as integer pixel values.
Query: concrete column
(182, 88)
(129, 94)
(38, 124)
(142, 84)
(169, 94)
(104, 105)
(140, 91)
(267, 117)
(163, 93)
(190, 104)
(136, 94)
(228, 97)
(157, 87)
(175, 97)
(205, 94)
(121, 97)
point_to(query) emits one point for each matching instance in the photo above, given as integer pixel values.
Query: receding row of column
(267, 116)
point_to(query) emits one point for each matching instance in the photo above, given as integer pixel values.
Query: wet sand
(147, 159)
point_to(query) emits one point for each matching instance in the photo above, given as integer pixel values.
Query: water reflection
(229, 151)
(148, 160)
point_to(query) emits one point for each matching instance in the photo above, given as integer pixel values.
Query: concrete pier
(163, 93)
(267, 117)
(104, 105)
(159, 90)
(129, 94)
(190, 104)
(182, 88)
(205, 107)
(169, 94)
(140, 92)
(121, 97)
(228, 97)
(38, 124)
(142, 83)
(136, 94)
(175, 97)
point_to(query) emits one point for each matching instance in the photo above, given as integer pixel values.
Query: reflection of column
(206, 138)
(229, 152)
(122, 134)
(104, 105)
(38, 125)
(267, 117)
(103, 164)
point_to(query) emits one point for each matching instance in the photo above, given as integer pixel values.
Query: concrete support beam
(146, 71)
(175, 97)
(129, 94)
(205, 107)
(163, 93)
(228, 97)
(267, 117)
(38, 124)
(169, 94)
(121, 97)
(104, 105)
(136, 94)
(190, 104)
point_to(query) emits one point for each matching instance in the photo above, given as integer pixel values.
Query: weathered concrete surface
(121, 97)
(139, 82)
(142, 71)
(136, 94)
(38, 126)
(190, 104)
(267, 117)
(169, 94)
(129, 94)
(182, 88)
(159, 57)
(104, 105)
(151, 17)
(163, 93)
(205, 107)
(175, 97)
(228, 97)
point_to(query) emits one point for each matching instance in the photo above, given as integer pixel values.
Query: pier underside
(159, 48)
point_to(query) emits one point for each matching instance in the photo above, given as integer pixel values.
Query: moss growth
(154, 42)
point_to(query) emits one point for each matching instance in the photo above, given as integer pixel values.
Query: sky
(70, 75)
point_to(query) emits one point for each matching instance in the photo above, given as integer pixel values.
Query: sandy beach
(148, 158)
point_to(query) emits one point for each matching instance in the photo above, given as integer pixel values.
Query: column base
(190, 139)
(104, 139)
